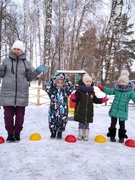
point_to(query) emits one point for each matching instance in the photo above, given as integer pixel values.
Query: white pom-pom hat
(124, 76)
(19, 45)
(86, 78)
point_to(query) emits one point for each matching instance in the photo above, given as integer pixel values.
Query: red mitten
(73, 97)
(101, 87)
(104, 100)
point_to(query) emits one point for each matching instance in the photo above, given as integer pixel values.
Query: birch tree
(112, 41)
(47, 37)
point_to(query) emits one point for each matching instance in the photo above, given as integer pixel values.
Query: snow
(49, 159)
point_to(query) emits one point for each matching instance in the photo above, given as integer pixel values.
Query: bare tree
(3, 29)
(54, 39)
(112, 40)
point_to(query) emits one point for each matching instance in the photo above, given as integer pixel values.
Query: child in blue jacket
(58, 89)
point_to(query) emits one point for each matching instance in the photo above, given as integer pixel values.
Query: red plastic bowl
(130, 143)
(70, 138)
(1, 140)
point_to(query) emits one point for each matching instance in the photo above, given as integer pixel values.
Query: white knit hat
(19, 45)
(124, 76)
(86, 78)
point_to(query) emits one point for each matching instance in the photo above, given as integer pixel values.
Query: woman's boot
(10, 138)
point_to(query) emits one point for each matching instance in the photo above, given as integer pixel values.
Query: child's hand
(105, 99)
(73, 97)
(101, 87)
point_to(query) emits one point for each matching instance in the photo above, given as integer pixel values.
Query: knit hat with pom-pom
(86, 78)
(124, 76)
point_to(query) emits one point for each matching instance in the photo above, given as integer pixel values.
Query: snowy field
(49, 159)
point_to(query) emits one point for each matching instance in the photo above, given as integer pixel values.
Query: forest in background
(94, 35)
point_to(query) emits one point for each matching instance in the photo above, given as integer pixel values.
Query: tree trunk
(47, 36)
(112, 42)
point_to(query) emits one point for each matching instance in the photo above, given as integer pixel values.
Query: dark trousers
(114, 122)
(14, 125)
(83, 125)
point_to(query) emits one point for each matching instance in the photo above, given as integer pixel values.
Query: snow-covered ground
(49, 159)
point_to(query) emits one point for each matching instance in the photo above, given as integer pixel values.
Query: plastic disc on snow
(130, 143)
(100, 139)
(70, 138)
(35, 137)
(1, 140)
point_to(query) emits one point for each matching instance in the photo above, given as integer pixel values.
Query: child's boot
(112, 134)
(59, 135)
(122, 135)
(83, 133)
(53, 133)
(80, 135)
(86, 135)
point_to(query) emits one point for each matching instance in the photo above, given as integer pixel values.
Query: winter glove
(105, 99)
(73, 97)
(3, 69)
(101, 87)
(42, 68)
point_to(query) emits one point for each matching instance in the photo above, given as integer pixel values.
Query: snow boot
(83, 133)
(53, 134)
(122, 135)
(17, 138)
(86, 135)
(80, 135)
(112, 134)
(10, 138)
(59, 135)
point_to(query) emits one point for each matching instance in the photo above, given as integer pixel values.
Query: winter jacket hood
(14, 57)
(129, 87)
